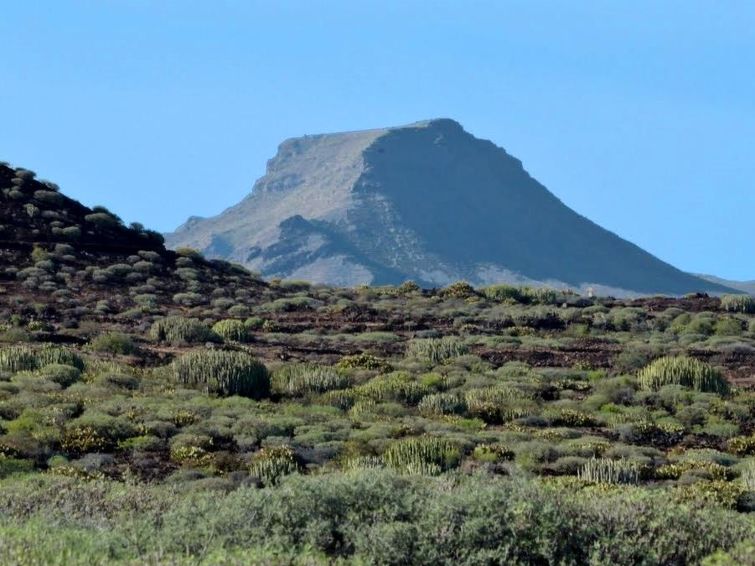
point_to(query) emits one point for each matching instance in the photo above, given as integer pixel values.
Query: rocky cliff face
(428, 202)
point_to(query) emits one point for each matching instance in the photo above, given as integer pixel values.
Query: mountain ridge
(426, 201)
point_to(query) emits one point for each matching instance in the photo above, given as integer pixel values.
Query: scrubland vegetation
(159, 408)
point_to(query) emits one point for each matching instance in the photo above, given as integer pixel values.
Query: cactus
(225, 373)
(23, 358)
(301, 379)
(178, 329)
(272, 463)
(231, 330)
(684, 371)
(423, 454)
(738, 303)
(605, 471)
(436, 350)
(439, 404)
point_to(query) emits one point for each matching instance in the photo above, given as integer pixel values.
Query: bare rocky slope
(427, 202)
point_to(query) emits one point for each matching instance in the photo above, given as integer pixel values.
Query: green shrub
(95, 432)
(493, 453)
(710, 493)
(103, 220)
(458, 290)
(742, 445)
(363, 361)
(224, 373)
(114, 343)
(436, 350)
(428, 455)
(10, 466)
(503, 292)
(63, 375)
(176, 329)
(297, 380)
(396, 386)
(684, 371)
(231, 330)
(497, 404)
(738, 303)
(728, 326)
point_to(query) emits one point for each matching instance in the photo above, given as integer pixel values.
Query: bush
(502, 293)
(224, 373)
(458, 290)
(297, 380)
(114, 343)
(176, 329)
(103, 220)
(396, 386)
(684, 371)
(61, 374)
(498, 404)
(231, 330)
(363, 361)
(738, 303)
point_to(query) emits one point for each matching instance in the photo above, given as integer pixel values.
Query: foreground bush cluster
(362, 517)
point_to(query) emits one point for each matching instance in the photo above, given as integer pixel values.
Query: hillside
(63, 262)
(157, 407)
(427, 202)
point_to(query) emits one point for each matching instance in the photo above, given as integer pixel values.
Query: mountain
(743, 286)
(428, 202)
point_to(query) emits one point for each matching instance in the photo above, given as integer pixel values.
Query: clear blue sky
(638, 114)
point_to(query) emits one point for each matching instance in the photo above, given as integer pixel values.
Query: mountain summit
(428, 202)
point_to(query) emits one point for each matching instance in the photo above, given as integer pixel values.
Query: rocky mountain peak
(427, 201)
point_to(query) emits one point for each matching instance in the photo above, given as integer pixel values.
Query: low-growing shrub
(363, 361)
(114, 343)
(497, 404)
(396, 386)
(63, 375)
(458, 290)
(224, 373)
(493, 453)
